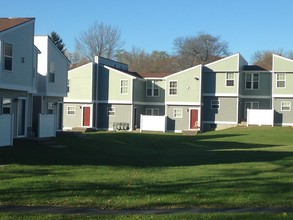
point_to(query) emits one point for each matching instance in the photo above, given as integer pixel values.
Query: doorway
(194, 124)
(86, 122)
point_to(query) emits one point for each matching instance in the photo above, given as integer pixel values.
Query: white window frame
(52, 72)
(283, 106)
(152, 111)
(8, 106)
(50, 108)
(152, 86)
(8, 56)
(252, 81)
(177, 113)
(278, 80)
(215, 104)
(122, 87)
(70, 110)
(173, 88)
(232, 79)
(111, 111)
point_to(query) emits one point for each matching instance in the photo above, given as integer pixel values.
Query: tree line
(105, 40)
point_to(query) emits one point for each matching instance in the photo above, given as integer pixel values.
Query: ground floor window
(111, 111)
(50, 108)
(6, 106)
(177, 113)
(70, 110)
(152, 111)
(215, 104)
(286, 106)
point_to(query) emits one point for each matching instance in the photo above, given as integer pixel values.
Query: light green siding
(158, 99)
(80, 83)
(177, 124)
(75, 120)
(288, 89)
(110, 85)
(188, 85)
(283, 117)
(215, 82)
(139, 90)
(227, 112)
(281, 64)
(123, 114)
(228, 64)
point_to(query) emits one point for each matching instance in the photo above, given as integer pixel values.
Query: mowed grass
(239, 167)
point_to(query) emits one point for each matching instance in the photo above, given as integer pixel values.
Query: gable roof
(132, 74)
(254, 68)
(7, 23)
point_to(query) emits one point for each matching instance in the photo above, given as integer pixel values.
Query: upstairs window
(281, 80)
(230, 79)
(52, 72)
(6, 106)
(251, 81)
(152, 89)
(173, 87)
(8, 52)
(124, 87)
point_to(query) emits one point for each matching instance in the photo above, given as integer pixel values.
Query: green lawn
(239, 167)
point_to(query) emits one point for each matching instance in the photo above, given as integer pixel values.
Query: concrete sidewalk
(96, 211)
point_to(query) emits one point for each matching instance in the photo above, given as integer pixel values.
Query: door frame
(198, 116)
(82, 111)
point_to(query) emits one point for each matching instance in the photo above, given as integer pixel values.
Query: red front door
(194, 119)
(86, 116)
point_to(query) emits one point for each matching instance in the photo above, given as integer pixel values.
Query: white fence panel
(6, 130)
(260, 117)
(47, 126)
(153, 123)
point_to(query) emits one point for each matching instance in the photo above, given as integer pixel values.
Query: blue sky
(248, 26)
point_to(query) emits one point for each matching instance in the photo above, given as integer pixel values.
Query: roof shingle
(7, 23)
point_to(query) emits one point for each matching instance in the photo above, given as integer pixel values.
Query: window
(173, 87)
(177, 113)
(111, 111)
(286, 106)
(215, 104)
(124, 87)
(6, 106)
(68, 85)
(251, 81)
(281, 80)
(50, 108)
(152, 111)
(52, 72)
(152, 88)
(230, 79)
(8, 49)
(70, 110)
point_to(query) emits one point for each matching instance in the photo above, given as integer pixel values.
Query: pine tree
(56, 39)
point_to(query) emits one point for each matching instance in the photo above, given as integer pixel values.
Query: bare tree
(200, 49)
(264, 58)
(99, 39)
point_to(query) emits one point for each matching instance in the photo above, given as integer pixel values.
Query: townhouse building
(205, 97)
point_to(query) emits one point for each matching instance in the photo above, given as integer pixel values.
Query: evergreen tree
(56, 39)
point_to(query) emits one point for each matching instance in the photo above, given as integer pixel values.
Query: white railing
(260, 117)
(153, 123)
(6, 130)
(47, 126)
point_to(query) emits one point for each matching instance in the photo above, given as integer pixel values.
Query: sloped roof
(254, 68)
(154, 75)
(134, 74)
(7, 23)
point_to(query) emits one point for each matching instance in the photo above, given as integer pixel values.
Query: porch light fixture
(197, 78)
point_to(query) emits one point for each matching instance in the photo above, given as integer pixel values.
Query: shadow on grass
(139, 150)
